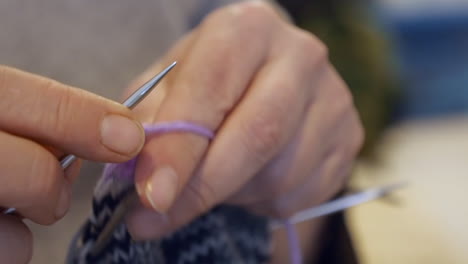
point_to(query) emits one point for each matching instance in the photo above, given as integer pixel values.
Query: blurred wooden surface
(426, 222)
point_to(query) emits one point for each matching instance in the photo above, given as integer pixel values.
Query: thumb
(66, 118)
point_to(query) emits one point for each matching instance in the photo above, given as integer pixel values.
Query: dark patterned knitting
(226, 235)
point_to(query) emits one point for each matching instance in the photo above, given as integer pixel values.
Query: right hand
(40, 121)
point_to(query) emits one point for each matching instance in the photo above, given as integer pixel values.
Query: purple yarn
(294, 247)
(178, 126)
(126, 170)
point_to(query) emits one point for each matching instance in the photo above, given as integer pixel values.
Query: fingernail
(63, 203)
(161, 189)
(121, 134)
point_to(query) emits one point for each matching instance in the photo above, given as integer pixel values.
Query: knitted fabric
(225, 234)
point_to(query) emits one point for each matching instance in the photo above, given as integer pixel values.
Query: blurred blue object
(432, 50)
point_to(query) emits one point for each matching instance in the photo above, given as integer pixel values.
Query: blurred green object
(360, 53)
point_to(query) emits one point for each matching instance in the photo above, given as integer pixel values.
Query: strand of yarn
(295, 254)
(126, 171)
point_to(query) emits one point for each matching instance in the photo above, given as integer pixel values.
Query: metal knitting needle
(341, 204)
(131, 102)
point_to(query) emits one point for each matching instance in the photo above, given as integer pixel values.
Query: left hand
(286, 128)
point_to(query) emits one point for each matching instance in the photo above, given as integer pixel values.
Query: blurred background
(406, 62)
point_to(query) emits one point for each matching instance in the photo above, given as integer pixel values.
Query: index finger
(208, 84)
(70, 119)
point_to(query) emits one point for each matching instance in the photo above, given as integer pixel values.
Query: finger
(315, 182)
(244, 144)
(248, 142)
(142, 217)
(327, 121)
(294, 84)
(32, 180)
(70, 119)
(15, 241)
(322, 185)
(208, 84)
(236, 155)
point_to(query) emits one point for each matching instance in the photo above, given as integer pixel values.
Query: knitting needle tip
(146, 88)
(131, 102)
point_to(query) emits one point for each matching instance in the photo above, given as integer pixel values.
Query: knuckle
(244, 18)
(61, 109)
(50, 119)
(344, 102)
(255, 11)
(263, 135)
(340, 103)
(216, 94)
(238, 33)
(312, 49)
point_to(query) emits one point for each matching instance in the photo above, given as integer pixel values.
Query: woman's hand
(286, 128)
(40, 120)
